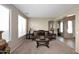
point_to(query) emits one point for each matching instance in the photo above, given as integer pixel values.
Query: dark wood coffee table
(42, 43)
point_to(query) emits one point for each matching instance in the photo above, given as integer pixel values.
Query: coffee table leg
(47, 46)
(37, 44)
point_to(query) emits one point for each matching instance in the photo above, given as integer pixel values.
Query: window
(61, 26)
(4, 22)
(70, 29)
(21, 26)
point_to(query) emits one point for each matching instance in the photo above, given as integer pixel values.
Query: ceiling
(44, 10)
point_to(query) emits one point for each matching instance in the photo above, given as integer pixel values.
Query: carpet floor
(55, 47)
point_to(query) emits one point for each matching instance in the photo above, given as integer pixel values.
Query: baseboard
(16, 47)
(16, 44)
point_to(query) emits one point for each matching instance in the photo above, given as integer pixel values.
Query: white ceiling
(44, 10)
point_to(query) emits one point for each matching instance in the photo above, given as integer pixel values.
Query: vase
(2, 41)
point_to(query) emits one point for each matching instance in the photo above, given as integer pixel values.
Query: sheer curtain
(70, 25)
(4, 22)
(61, 26)
(21, 26)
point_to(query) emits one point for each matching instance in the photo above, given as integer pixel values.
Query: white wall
(15, 41)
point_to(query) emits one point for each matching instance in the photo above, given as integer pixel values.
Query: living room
(42, 17)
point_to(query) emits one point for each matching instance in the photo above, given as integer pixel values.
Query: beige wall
(77, 33)
(66, 34)
(74, 11)
(65, 28)
(42, 24)
(39, 23)
(15, 41)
